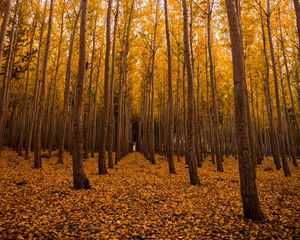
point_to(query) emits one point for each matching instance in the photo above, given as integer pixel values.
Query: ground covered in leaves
(137, 200)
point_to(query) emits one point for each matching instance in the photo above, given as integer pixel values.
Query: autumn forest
(149, 119)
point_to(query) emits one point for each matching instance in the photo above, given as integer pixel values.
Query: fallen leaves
(137, 200)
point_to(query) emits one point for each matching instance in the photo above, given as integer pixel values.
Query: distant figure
(134, 147)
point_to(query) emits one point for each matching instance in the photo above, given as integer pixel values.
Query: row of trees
(166, 87)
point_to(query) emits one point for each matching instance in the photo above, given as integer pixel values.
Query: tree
(215, 115)
(152, 71)
(7, 74)
(79, 178)
(194, 178)
(25, 101)
(104, 125)
(4, 26)
(42, 102)
(34, 105)
(53, 104)
(170, 95)
(111, 124)
(125, 44)
(246, 167)
(297, 12)
(66, 93)
(285, 166)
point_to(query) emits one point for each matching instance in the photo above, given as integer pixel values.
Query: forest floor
(137, 200)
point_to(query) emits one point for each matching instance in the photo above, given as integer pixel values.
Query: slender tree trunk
(257, 147)
(152, 71)
(288, 121)
(297, 12)
(94, 121)
(40, 114)
(25, 107)
(4, 25)
(211, 135)
(177, 103)
(215, 117)
(33, 114)
(170, 95)
(4, 97)
(46, 119)
(288, 128)
(79, 178)
(54, 100)
(246, 167)
(111, 124)
(269, 105)
(104, 124)
(88, 113)
(285, 166)
(194, 178)
(66, 94)
(122, 81)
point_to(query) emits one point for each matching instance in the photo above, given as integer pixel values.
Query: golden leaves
(137, 200)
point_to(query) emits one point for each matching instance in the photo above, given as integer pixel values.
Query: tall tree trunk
(25, 107)
(286, 118)
(88, 113)
(4, 25)
(40, 114)
(246, 167)
(285, 166)
(297, 11)
(94, 121)
(211, 135)
(79, 178)
(215, 115)
(66, 94)
(33, 114)
(54, 100)
(110, 138)
(104, 124)
(269, 105)
(288, 121)
(152, 71)
(122, 81)
(4, 97)
(170, 95)
(194, 178)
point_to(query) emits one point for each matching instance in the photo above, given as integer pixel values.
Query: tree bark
(66, 94)
(122, 76)
(152, 71)
(193, 172)
(246, 167)
(285, 166)
(4, 25)
(42, 102)
(33, 114)
(110, 138)
(170, 95)
(215, 115)
(4, 97)
(269, 105)
(104, 124)
(25, 107)
(54, 100)
(79, 178)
